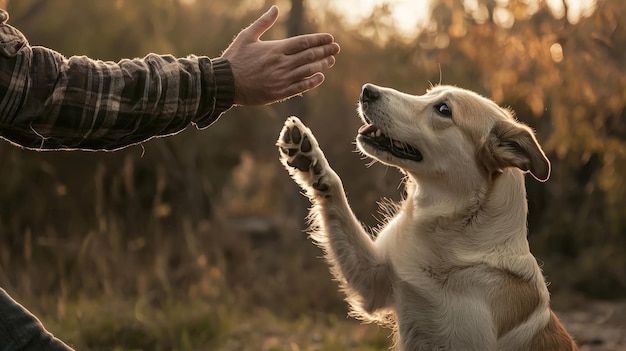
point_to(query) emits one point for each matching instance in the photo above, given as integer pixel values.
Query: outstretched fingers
(301, 71)
(309, 76)
(304, 42)
(304, 85)
(314, 54)
(307, 65)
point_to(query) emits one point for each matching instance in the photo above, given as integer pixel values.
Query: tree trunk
(295, 26)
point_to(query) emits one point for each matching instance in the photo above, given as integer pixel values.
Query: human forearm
(50, 102)
(97, 105)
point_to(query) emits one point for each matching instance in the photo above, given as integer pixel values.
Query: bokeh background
(196, 242)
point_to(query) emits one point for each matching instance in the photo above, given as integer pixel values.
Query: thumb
(263, 23)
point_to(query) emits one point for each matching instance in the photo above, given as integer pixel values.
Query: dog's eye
(443, 109)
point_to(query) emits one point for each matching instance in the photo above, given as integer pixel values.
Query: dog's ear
(511, 144)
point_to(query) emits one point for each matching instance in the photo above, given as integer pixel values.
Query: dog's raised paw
(302, 157)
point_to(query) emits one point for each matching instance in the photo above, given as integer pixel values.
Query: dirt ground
(597, 326)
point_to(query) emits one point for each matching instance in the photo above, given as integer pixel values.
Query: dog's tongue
(368, 128)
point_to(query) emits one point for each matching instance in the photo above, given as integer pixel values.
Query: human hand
(275, 70)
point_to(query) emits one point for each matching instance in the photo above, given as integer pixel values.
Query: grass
(125, 325)
(207, 286)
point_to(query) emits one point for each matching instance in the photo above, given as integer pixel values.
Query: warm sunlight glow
(409, 15)
(479, 11)
(556, 50)
(576, 9)
(503, 17)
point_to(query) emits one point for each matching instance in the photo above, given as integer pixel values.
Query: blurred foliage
(208, 218)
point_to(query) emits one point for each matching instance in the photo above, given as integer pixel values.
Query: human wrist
(224, 84)
(222, 91)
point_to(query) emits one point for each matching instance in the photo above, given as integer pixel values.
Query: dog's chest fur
(451, 280)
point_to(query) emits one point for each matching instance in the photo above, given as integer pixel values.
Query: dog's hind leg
(366, 277)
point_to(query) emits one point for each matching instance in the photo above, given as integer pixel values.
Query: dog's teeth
(379, 133)
(397, 144)
(373, 134)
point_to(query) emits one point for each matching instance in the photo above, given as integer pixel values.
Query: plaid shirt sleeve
(49, 102)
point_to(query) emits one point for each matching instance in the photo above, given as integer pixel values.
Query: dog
(451, 269)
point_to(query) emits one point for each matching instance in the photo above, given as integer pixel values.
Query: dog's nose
(369, 93)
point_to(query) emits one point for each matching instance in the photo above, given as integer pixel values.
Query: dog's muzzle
(372, 135)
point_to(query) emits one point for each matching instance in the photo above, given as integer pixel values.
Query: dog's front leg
(364, 274)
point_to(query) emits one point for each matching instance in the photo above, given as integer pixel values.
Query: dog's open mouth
(370, 134)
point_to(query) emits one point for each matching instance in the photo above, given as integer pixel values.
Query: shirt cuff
(224, 91)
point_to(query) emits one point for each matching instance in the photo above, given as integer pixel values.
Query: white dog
(451, 270)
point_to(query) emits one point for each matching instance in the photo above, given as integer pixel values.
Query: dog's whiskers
(405, 146)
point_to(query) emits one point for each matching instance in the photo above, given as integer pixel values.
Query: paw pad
(300, 162)
(300, 153)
